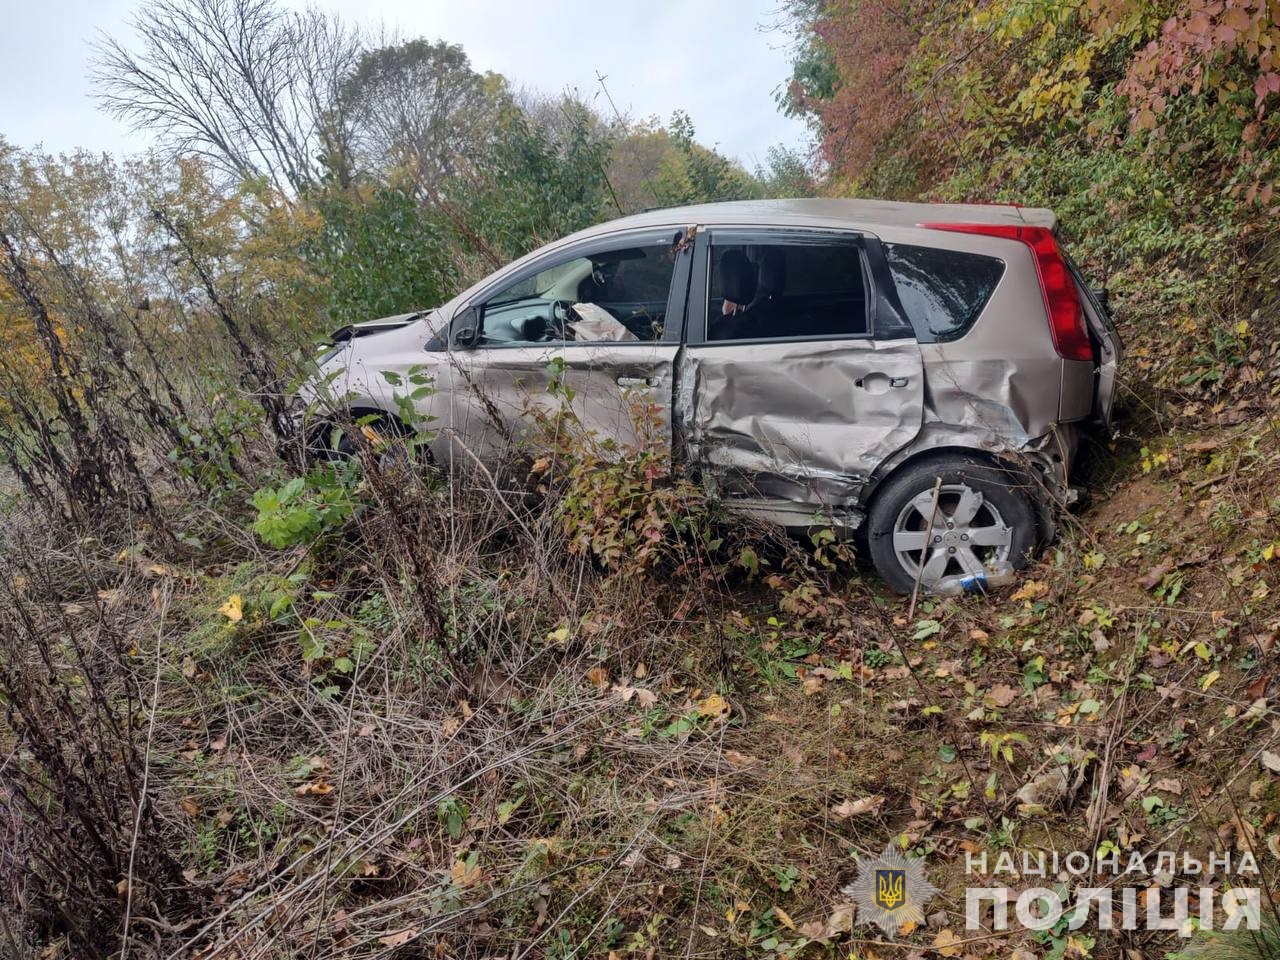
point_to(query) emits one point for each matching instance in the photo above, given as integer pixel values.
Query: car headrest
(773, 272)
(737, 277)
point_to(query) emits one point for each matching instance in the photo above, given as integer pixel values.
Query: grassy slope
(688, 760)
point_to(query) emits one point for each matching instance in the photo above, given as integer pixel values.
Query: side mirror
(465, 329)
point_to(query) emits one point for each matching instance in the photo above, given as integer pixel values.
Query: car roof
(829, 212)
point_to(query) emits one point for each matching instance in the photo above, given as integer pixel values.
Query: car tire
(330, 440)
(985, 514)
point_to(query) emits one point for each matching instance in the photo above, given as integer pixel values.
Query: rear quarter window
(942, 291)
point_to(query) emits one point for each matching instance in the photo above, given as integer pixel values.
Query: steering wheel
(562, 314)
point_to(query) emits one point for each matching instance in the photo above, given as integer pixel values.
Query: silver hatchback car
(916, 374)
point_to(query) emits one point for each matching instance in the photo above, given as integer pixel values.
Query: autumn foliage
(910, 95)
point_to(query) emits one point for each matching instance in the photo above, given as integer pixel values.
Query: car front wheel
(984, 516)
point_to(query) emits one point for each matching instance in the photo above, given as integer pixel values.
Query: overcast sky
(720, 60)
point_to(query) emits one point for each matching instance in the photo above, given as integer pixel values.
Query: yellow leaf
(1242, 328)
(464, 875)
(784, 918)
(1031, 590)
(945, 943)
(1269, 551)
(1209, 679)
(233, 609)
(713, 706)
(558, 636)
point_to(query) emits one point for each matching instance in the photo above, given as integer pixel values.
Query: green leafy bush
(624, 504)
(305, 508)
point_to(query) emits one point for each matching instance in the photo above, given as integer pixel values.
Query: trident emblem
(890, 888)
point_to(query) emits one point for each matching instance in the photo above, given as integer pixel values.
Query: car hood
(353, 331)
(371, 345)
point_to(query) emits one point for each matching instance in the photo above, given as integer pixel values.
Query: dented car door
(586, 327)
(800, 375)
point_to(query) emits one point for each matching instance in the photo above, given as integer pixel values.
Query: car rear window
(943, 291)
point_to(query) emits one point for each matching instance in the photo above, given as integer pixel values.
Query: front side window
(788, 289)
(612, 296)
(943, 291)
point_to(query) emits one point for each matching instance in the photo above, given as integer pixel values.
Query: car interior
(614, 296)
(785, 291)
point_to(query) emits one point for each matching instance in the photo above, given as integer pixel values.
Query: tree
(532, 187)
(383, 254)
(249, 86)
(785, 173)
(420, 108)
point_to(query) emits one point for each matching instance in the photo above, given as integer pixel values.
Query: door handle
(879, 382)
(637, 381)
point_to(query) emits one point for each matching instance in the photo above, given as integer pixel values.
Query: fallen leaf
(1031, 590)
(784, 918)
(1001, 695)
(1270, 761)
(1154, 576)
(320, 788)
(464, 874)
(946, 943)
(646, 698)
(859, 807)
(713, 706)
(399, 938)
(598, 677)
(1201, 446)
(233, 609)
(190, 806)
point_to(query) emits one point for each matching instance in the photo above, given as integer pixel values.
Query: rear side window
(943, 291)
(786, 290)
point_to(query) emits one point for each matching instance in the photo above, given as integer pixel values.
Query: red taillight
(1066, 316)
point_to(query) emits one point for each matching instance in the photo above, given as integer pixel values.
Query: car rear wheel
(984, 516)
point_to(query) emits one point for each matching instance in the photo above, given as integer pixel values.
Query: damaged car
(917, 375)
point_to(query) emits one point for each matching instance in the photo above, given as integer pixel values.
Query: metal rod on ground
(933, 515)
